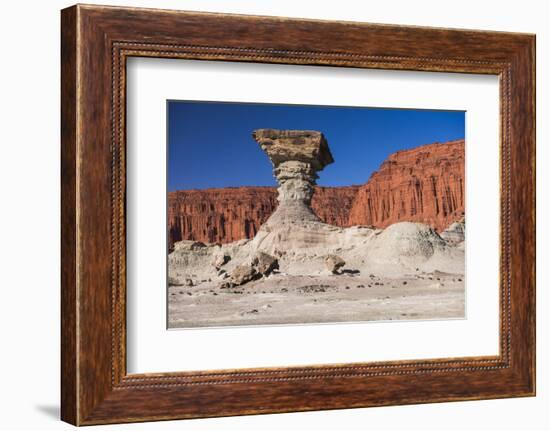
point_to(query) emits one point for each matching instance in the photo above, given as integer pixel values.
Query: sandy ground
(292, 299)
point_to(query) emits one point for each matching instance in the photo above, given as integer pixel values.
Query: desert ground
(314, 273)
(281, 299)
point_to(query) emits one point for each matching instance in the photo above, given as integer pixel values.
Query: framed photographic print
(265, 215)
(296, 252)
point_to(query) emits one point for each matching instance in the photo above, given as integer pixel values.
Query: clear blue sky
(210, 143)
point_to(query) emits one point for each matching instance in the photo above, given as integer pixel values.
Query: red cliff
(219, 215)
(424, 184)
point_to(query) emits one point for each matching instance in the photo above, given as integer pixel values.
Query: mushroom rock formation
(294, 229)
(297, 156)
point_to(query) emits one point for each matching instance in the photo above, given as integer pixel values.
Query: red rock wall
(425, 184)
(219, 215)
(333, 204)
(230, 214)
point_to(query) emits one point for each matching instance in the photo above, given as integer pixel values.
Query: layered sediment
(424, 184)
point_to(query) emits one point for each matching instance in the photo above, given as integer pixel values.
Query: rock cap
(308, 146)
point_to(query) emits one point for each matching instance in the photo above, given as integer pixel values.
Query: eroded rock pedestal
(297, 156)
(294, 233)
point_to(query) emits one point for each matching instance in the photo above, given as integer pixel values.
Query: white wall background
(29, 215)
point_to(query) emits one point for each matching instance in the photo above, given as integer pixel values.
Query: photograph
(281, 214)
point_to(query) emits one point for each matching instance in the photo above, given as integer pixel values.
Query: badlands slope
(406, 271)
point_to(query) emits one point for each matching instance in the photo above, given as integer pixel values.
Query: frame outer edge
(69, 212)
(533, 54)
(523, 217)
(532, 82)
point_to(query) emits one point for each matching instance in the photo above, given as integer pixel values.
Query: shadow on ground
(52, 411)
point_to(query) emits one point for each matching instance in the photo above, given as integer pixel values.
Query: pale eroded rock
(455, 233)
(334, 263)
(264, 263)
(220, 260)
(296, 156)
(243, 274)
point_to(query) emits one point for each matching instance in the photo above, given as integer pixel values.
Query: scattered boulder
(243, 274)
(278, 253)
(261, 265)
(173, 281)
(220, 260)
(222, 273)
(334, 263)
(264, 263)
